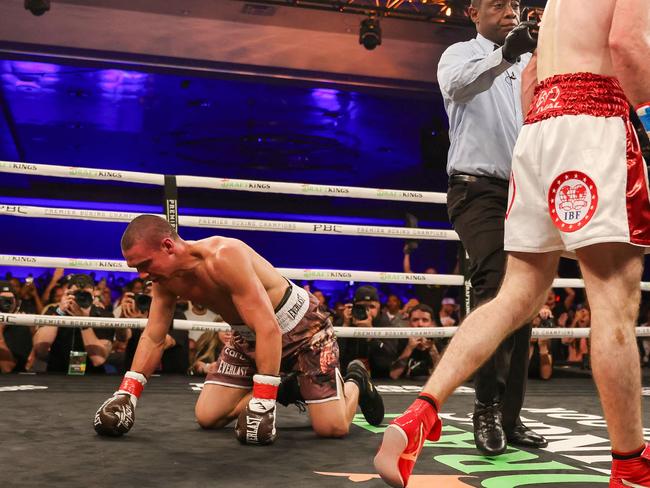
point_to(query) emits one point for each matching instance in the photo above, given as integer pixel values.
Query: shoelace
(487, 417)
(487, 423)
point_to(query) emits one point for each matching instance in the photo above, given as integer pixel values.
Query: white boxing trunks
(578, 176)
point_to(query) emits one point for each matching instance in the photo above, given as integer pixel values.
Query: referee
(480, 81)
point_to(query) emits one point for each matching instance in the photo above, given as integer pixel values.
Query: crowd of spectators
(92, 350)
(110, 350)
(418, 356)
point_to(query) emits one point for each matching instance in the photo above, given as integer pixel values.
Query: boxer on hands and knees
(578, 183)
(283, 329)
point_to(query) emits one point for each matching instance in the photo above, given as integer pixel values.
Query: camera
(37, 7)
(7, 304)
(83, 298)
(359, 311)
(142, 302)
(546, 323)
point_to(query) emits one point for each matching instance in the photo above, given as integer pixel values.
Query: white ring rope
(291, 273)
(343, 332)
(238, 224)
(183, 181)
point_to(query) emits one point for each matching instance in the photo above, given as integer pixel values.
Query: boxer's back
(574, 38)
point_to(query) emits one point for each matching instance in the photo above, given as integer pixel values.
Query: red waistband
(578, 94)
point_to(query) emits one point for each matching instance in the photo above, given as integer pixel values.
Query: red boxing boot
(631, 470)
(404, 438)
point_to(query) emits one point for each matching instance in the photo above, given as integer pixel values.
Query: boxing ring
(53, 414)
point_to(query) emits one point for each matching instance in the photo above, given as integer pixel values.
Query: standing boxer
(579, 184)
(283, 329)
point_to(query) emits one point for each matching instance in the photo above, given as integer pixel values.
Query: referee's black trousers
(477, 212)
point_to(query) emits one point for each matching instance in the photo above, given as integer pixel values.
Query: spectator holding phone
(30, 300)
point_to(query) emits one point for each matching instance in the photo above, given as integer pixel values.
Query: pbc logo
(572, 201)
(12, 209)
(327, 228)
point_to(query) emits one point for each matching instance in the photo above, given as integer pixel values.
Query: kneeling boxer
(281, 328)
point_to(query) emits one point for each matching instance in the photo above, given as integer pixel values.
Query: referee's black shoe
(370, 401)
(489, 435)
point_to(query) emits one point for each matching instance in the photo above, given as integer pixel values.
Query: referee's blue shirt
(482, 96)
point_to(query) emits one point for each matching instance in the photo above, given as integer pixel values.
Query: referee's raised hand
(522, 39)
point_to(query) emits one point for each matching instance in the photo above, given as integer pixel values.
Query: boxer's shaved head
(147, 228)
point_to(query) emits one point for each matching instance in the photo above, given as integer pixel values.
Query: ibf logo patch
(572, 200)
